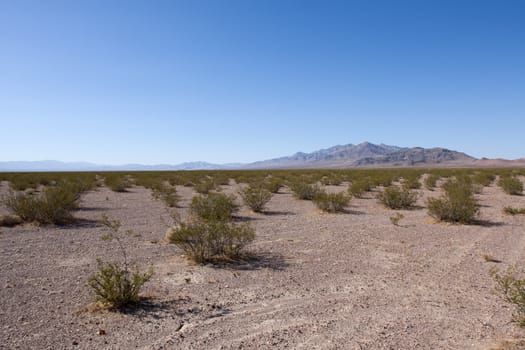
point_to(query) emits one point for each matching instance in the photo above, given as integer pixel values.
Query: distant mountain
(53, 165)
(365, 154)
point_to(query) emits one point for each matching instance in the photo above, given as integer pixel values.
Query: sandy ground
(322, 281)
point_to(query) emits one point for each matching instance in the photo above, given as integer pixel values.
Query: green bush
(457, 205)
(412, 182)
(395, 197)
(205, 186)
(53, 206)
(209, 241)
(303, 190)
(359, 187)
(213, 207)
(512, 289)
(483, 178)
(118, 183)
(431, 181)
(166, 193)
(114, 285)
(511, 185)
(332, 202)
(255, 197)
(273, 185)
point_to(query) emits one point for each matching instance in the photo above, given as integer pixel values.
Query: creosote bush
(205, 185)
(303, 190)
(273, 185)
(114, 284)
(255, 197)
(457, 205)
(395, 197)
(511, 287)
(166, 193)
(359, 187)
(213, 207)
(431, 181)
(332, 202)
(211, 240)
(514, 211)
(118, 183)
(511, 185)
(53, 206)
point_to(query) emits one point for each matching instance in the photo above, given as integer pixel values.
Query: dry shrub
(303, 190)
(457, 205)
(511, 185)
(53, 206)
(255, 197)
(332, 202)
(511, 287)
(395, 197)
(212, 240)
(359, 187)
(213, 207)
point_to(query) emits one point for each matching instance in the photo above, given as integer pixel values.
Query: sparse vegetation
(511, 185)
(332, 202)
(511, 287)
(118, 182)
(255, 197)
(514, 211)
(394, 197)
(213, 207)
(114, 284)
(359, 187)
(431, 181)
(457, 205)
(53, 206)
(204, 186)
(212, 240)
(394, 219)
(303, 190)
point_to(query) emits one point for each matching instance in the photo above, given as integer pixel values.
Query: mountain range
(365, 154)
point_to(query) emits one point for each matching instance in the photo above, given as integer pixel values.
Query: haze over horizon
(168, 82)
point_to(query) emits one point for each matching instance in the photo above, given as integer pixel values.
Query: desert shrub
(483, 178)
(255, 197)
(332, 179)
(204, 186)
(10, 220)
(213, 207)
(53, 206)
(412, 182)
(331, 202)
(395, 197)
(114, 284)
(514, 211)
(511, 287)
(511, 185)
(457, 205)
(431, 181)
(273, 185)
(303, 190)
(118, 183)
(166, 193)
(359, 187)
(213, 240)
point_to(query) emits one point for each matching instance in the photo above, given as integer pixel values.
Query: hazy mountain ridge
(365, 154)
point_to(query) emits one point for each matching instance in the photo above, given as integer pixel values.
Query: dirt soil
(321, 281)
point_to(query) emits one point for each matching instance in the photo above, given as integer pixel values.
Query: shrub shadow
(277, 213)
(255, 261)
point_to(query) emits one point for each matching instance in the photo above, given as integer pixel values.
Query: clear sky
(116, 82)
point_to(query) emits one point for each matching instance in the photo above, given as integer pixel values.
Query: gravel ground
(321, 281)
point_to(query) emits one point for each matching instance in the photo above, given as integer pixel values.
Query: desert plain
(350, 280)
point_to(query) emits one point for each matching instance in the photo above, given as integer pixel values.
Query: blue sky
(115, 82)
